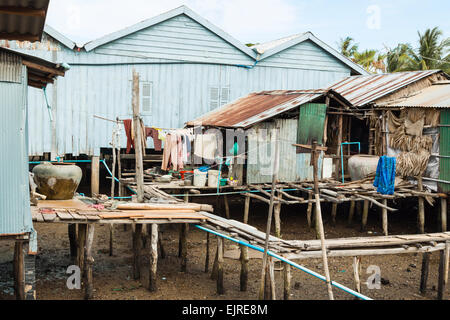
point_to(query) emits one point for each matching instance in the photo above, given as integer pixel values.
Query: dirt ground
(113, 275)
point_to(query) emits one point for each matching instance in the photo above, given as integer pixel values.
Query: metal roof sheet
(256, 107)
(362, 90)
(22, 19)
(435, 96)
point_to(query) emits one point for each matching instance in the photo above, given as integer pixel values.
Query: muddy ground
(113, 275)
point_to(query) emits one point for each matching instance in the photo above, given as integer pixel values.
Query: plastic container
(223, 182)
(213, 175)
(199, 178)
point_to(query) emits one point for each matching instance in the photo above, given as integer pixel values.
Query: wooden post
(227, 206)
(333, 213)
(351, 212)
(269, 216)
(186, 199)
(19, 271)
(72, 231)
(365, 215)
(309, 210)
(277, 219)
(444, 214)
(421, 220)
(246, 209)
(82, 229)
(244, 252)
(207, 252)
(220, 287)
(319, 223)
(339, 142)
(138, 138)
(161, 247)
(385, 217)
(356, 272)
(183, 251)
(89, 262)
(269, 287)
(443, 270)
(424, 272)
(215, 266)
(287, 281)
(137, 246)
(152, 285)
(95, 175)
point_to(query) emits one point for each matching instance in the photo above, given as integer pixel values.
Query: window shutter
(213, 98)
(147, 97)
(224, 96)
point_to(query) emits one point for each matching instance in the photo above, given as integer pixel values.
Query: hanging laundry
(152, 132)
(205, 146)
(385, 175)
(170, 153)
(128, 124)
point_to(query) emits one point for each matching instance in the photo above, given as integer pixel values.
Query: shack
(19, 71)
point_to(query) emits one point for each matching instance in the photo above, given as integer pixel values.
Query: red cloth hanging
(127, 123)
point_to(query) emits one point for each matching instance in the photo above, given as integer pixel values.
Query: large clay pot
(361, 165)
(57, 182)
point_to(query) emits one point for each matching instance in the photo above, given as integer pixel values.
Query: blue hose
(295, 265)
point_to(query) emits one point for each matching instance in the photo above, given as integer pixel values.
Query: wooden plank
(39, 67)
(64, 215)
(49, 217)
(22, 11)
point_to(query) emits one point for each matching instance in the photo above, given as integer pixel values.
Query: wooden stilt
(95, 175)
(137, 246)
(244, 252)
(227, 206)
(424, 272)
(385, 218)
(421, 220)
(309, 210)
(269, 284)
(444, 214)
(287, 281)
(137, 138)
(183, 250)
(333, 213)
(365, 215)
(19, 271)
(186, 199)
(356, 272)
(111, 239)
(72, 231)
(207, 252)
(215, 266)
(162, 252)
(220, 286)
(82, 228)
(89, 263)
(443, 271)
(277, 219)
(351, 213)
(152, 285)
(246, 209)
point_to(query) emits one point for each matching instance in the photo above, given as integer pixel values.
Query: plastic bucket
(213, 175)
(199, 178)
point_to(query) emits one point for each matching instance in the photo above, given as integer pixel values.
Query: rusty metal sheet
(256, 107)
(362, 90)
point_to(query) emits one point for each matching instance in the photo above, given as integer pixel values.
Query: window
(146, 98)
(218, 97)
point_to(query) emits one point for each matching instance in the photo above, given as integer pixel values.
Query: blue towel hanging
(385, 176)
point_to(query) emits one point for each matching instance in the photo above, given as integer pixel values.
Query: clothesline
(121, 121)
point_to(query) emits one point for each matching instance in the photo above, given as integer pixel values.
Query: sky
(373, 24)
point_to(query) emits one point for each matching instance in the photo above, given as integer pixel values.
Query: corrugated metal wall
(99, 82)
(15, 214)
(444, 163)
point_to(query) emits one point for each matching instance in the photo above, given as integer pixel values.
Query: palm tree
(432, 53)
(399, 59)
(370, 60)
(347, 46)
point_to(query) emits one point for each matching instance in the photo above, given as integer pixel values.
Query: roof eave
(60, 37)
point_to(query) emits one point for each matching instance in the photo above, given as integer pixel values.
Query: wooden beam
(137, 138)
(35, 77)
(89, 262)
(22, 11)
(19, 36)
(42, 68)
